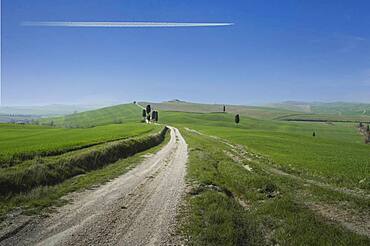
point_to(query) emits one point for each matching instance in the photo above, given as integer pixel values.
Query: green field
(19, 142)
(230, 204)
(38, 160)
(337, 154)
(42, 197)
(281, 198)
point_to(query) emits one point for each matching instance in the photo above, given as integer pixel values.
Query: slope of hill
(336, 108)
(123, 113)
(337, 111)
(292, 105)
(341, 108)
(251, 111)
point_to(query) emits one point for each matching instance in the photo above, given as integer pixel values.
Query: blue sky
(317, 50)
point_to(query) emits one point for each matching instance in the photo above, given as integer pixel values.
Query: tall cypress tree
(237, 119)
(144, 113)
(148, 109)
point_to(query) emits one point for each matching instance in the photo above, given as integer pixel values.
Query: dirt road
(138, 208)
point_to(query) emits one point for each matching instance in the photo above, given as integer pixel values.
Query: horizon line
(122, 24)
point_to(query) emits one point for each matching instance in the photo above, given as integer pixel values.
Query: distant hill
(251, 111)
(292, 105)
(337, 108)
(316, 111)
(295, 111)
(122, 113)
(47, 110)
(132, 113)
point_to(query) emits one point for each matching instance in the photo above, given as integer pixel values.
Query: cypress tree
(144, 113)
(148, 109)
(237, 119)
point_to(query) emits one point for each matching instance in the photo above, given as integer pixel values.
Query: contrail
(120, 24)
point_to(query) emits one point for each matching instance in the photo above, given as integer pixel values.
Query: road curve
(137, 208)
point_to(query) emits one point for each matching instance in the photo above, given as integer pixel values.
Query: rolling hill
(123, 113)
(251, 111)
(262, 169)
(316, 111)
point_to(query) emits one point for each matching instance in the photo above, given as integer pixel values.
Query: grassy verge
(43, 198)
(230, 205)
(53, 170)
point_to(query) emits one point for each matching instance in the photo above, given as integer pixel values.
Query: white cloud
(120, 24)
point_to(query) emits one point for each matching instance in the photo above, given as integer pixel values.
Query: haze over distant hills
(46, 110)
(25, 114)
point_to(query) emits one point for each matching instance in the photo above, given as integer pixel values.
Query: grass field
(230, 204)
(37, 161)
(43, 197)
(52, 170)
(337, 154)
(19, 142)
